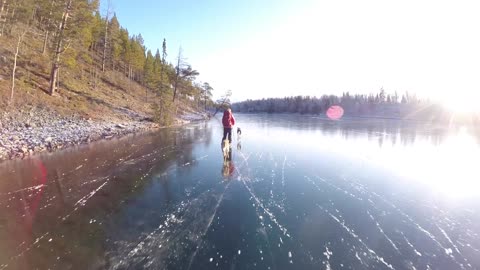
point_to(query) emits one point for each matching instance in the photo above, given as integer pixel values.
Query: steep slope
(89, 105)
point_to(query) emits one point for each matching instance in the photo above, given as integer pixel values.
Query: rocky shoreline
(23, 135)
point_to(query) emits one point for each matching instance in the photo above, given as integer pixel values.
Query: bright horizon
(306, 47)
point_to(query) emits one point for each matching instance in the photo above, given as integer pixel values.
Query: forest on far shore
(381, 105)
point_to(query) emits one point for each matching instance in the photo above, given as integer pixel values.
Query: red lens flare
(335, 112)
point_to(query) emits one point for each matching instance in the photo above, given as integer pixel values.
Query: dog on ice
(226, 150)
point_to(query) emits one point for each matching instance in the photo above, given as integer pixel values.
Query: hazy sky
(273, 48)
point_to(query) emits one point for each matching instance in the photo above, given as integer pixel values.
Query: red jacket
(228, 120)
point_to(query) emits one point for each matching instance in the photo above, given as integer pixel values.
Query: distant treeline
(381, 104)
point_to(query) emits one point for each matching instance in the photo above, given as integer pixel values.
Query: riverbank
(23, 134)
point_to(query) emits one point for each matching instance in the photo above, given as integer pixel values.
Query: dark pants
(227, 132)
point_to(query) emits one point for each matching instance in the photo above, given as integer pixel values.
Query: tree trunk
(3, 21)
(105, 44)
(4, 3)
(13, 11)
(53, 78)
(59, 49)
(175, 88)
(58, 78)
(47, 31)
(45, 42)
(19, 42)
(95, 78)
(177, 74)
(161, 80)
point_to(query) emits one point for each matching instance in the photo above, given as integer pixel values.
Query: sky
(277, 48)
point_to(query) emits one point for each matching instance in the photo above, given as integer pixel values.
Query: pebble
(46, 131)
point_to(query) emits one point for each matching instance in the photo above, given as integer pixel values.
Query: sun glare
(448, 169)
(459, 175)
(462, 104)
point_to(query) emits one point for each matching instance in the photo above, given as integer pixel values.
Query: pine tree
(149, 70)
(164, 55)
(96, 31)
(125, 51)
(207, 94)
(115, 42)
(157, 66)
(105, 39)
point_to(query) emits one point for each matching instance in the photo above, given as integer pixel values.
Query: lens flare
(335, 112)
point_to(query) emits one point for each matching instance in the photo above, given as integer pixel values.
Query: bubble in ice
(239, 252)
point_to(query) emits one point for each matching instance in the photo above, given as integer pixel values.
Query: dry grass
(110, 96)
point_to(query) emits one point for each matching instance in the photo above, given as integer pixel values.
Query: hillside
(70, 76)
(88, 105)
(108, 99)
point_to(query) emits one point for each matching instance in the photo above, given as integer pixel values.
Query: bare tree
(223, 101)
(20, 36)
(59, 47)
(177, 72)
(183, 72)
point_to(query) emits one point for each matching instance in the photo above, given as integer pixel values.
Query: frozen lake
(301, 192)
